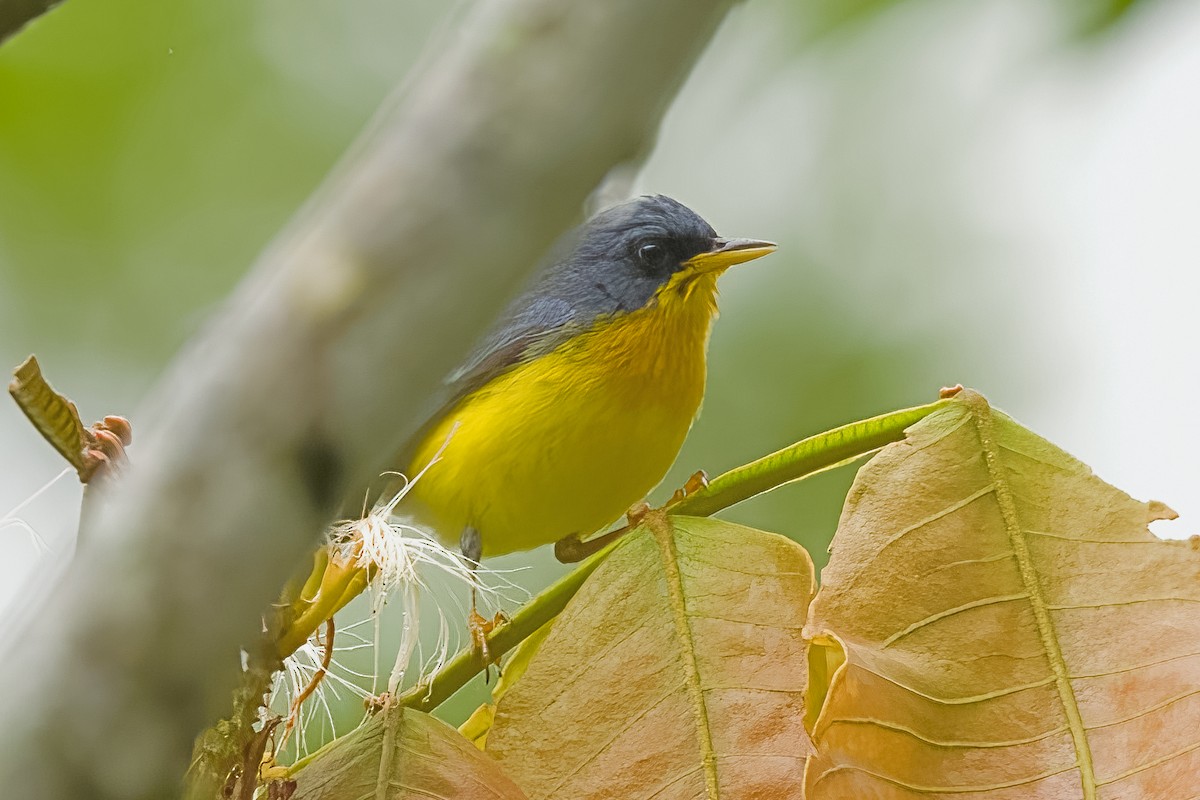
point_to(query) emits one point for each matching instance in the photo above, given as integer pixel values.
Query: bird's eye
(652, 255)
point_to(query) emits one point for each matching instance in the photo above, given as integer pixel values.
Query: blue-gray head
(619, 259)
(615, 263)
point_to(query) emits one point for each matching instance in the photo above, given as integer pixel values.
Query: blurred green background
(997, 193)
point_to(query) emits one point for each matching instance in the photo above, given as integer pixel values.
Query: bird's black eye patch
(653, 255)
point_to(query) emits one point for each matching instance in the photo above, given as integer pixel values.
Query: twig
(326, 660)
(504, 637)
(94, 452)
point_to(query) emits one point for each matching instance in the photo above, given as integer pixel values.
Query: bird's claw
(573, 548)
(479, 627)
(698, 481)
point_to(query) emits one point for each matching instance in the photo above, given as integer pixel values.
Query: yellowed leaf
(479, 724)
(997, 622)
(676, 672)
(402, 754)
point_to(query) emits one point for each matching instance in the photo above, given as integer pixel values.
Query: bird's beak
(727, 252)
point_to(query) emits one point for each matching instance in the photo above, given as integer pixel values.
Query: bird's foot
(479, 627)
(573, 548)
(698, 481)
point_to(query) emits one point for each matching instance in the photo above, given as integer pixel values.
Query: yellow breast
(566, 443)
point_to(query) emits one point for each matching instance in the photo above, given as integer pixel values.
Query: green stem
(504, 637)
(806, 457)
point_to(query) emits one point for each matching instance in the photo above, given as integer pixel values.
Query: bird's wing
(534, 326)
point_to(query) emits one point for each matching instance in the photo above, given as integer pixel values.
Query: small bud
(950, 391)
(120, 426)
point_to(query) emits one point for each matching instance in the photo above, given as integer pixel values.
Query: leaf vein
(1087, 540)
(1114, 604)
(975, 789)
(950, 612)
(1136, 667)
(948, 510)
(664, 532)
(945, 742)
(954, 701)
(1151, 764)
(982, 414)
(750, 622)
(1170, 701)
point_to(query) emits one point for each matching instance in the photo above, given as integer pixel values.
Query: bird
(575, 404)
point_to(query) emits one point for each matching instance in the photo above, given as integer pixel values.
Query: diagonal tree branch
(16, 14)
(318, 367)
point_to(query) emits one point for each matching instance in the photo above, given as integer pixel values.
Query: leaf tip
(23, 373)
(1157, 510)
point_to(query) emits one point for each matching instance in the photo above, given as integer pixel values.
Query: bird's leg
(574, 548)
(570, 549)
(471, 545)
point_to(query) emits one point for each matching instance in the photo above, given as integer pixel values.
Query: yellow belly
(568, 442)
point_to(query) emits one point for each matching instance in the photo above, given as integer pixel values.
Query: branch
(321, 364)
(16, 14)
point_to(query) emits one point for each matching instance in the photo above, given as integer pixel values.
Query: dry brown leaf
(402, 754)
(1000, 623)
(95, 452)
(676, 672)
(54, 416)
